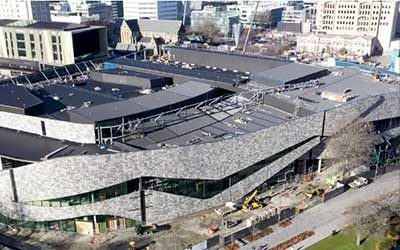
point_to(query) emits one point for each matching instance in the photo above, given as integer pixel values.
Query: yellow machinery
(312, 191)
(164, 58)
(132, 245)
(251, 202)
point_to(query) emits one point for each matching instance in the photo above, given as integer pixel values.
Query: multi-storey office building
(93, 149)
(247, 9)
(117, 8)
(51, 43)
(25, 10)
(378, 18)
(102, 10)
(151, 9)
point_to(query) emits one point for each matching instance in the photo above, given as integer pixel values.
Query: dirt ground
(183, 231)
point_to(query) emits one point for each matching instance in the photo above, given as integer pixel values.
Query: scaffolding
(140, 126)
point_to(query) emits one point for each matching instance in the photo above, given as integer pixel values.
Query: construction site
(193, 145)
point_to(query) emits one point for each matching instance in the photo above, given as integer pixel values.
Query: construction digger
(251, 202)
(312, 190)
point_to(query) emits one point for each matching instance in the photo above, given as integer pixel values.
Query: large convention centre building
(151, 141)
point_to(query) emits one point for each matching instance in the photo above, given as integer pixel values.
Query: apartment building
(378, 18)
(150, 9)
(25, 10)
(338, 45)
(51, 43)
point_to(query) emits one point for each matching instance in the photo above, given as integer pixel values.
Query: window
(20, 36)
(21, 53)
(21, 45)
(53, 39)
(55, 56)
(31, 37)
(43, 126)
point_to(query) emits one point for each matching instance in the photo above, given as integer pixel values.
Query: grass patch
(346, 240)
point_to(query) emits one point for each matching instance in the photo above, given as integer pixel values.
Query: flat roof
(229, 60)
(17, 97)
(41, 24)
(142, 104)
(29, 147)
(130, 73)
(67, 96)
(201, 73)
(357, 83)
(287, 73)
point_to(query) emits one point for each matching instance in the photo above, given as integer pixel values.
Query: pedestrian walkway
(326, 217)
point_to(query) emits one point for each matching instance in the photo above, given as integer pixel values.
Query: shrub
(386, 244)
(392, 235)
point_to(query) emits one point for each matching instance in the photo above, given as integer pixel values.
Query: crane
(251, 26)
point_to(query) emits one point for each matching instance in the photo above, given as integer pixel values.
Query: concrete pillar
(142, 202)
(319, 165)
(1, 164)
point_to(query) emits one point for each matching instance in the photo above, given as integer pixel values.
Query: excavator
(251, 202)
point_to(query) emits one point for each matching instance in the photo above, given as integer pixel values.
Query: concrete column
(1, 164)
(319, 165)
(94, 216)
(142, 202)
(13, 186)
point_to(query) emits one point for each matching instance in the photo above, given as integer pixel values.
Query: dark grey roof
(56, 26)
(18, 97)
(288, 73)
(132, 24)
(41, 24)
(70, 96)
(141, 105)
(30, 147)
(130, 73)
(200, 73)
(145, 39)
(289, 27)
(4, 22)
(230, 61)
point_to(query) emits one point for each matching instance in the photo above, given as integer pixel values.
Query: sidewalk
(325, 217)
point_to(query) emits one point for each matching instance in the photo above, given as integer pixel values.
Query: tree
(207, 29)
(362, 216)
(351, 146)
(343, 51)
(371, 216)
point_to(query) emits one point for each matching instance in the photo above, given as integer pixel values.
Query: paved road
(325, 217)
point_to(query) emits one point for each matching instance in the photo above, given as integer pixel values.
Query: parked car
(359, 182)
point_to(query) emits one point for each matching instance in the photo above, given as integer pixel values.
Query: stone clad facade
(74, 175)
